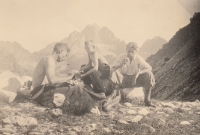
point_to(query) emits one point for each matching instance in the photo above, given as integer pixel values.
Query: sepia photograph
(100, 67)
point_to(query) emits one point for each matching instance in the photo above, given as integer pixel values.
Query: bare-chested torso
(101, 60)
(39, 73)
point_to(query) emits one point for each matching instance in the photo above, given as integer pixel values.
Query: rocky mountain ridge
(177, 65)
(151, 46)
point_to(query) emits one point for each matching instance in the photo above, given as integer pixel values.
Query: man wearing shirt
(136, 71)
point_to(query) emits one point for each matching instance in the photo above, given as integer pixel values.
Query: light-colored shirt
(131, 67)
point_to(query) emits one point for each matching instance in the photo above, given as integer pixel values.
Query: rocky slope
(177, 65)
(151, 46)
(127, 118)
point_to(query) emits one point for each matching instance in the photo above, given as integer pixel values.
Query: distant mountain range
(15, 58)
(19, 60)
(106, 43)
(151, 46)
(177, 65)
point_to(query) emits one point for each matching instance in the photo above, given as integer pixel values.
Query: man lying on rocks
(69, 93)
(136, 72)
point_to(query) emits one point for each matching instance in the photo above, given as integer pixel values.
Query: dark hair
(59, 46)
(132, 45)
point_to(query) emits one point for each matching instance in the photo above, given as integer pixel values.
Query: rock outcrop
(177, 65)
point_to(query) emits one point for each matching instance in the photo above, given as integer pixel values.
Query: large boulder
(133, 95)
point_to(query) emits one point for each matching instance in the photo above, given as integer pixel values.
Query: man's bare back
(39, 73)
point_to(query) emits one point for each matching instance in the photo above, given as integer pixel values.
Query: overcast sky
(37, 23)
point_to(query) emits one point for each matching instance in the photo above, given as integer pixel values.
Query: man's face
(131, 52)
(62, 55)
(89, 48)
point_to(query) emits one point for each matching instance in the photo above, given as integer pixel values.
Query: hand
(81, 71)
(124, 61)
(72, 72)
(135, 79)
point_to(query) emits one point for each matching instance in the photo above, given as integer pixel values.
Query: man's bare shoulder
(49, 59)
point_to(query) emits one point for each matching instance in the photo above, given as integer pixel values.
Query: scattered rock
(17, 120)
(161, 122)
(137, 118)
(188, 104)
(186, 109)
(131, 112)
(7, 130)
(190, 112)
(168, 105)
(168, 110)
(197, 101)
(20, 121)
(35, 133)
(198, 109)
(178, 104)
(136, 96)
(95, 110)
(71, 133)
(77, 129)
(128, 118)
(107, 130)
(192, 121)
(31, 122)
(122, 121)
(121, 110)
(6, 121)
(111, 112)
(143, 111)
(90, 127)
(160, 113)
(58, 99)
(56, 112)
(150, 128)
(185, 123)
(7, 125)
(198, 113)
(128, 104)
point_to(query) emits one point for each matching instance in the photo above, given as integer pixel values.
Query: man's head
(89, 46)
(131, 49)
(61, 49)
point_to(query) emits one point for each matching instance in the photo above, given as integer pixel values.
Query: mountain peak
(151, 46)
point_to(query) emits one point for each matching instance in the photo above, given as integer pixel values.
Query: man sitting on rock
(47, 66)
(97, 75)
(136, 72)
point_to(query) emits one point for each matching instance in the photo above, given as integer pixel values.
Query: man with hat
(136, 71)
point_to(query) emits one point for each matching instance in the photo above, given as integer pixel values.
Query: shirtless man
(97, 74)
(46, 66)
(95, 69)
